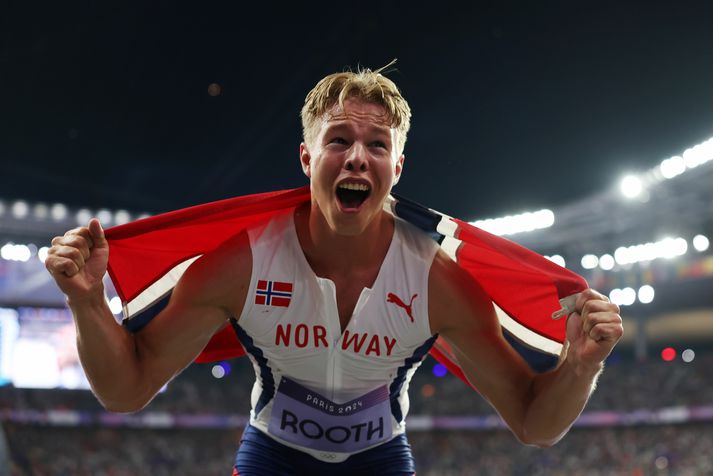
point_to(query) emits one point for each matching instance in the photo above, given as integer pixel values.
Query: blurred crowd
(681, 450)
(625, 386)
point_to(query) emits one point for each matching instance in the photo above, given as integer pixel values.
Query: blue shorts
(260, 455)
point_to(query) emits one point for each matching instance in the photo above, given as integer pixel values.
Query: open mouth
(352, 195)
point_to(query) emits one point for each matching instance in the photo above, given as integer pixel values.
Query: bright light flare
(667, 248)
(622, 297)
(58, 212)
(606, 262)
(631, 186)
(511, 224)
(20, 209)
(218, 371)
(701, 243)
(12, 252)
(646, 294)
(688, 355)
(590, 261)
(557, 259)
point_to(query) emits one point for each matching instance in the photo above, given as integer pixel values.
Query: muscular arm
(538, 408)
(126, 370)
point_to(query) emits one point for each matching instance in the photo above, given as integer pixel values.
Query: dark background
(517, 105)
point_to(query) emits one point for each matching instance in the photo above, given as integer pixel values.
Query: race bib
(306, 418)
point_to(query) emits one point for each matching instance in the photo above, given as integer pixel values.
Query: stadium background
(120, 111)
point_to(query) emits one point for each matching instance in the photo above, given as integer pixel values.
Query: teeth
(355, 186)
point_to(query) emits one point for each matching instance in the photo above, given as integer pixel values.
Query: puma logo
(393, 298)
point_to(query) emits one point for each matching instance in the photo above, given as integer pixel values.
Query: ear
(398, 168)
(305, 160)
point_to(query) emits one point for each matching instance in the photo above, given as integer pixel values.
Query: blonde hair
(366, 85)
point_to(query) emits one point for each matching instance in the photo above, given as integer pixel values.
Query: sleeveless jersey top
(328, 393)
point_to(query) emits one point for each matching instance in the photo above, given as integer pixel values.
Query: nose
(356, 159)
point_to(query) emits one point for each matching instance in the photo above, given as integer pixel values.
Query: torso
(340, 337)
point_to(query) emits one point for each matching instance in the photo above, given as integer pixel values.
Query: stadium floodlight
(673, 167)
(646, 294)
(606, 262)
(615, 296)
(13, 252)
(42, 253)
(22, 253)
(622, 297)
(631, 186)
(701, 243)
(6, 251)
(628, 296)
(20, 209)
(557, 259)
(688, 355)
(41, 211)
(121, 217)
(672, 247)
(511, 224)
(667, 248)
(697, 155)
(58, 212)
(217, 371)
(590, 261)
(105, 216)
(83, 216)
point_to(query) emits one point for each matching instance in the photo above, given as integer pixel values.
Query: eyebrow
(338, 124)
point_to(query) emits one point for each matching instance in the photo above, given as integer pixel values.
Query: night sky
(516, 105)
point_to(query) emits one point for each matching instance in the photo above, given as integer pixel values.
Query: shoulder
(415, 240)
(219, 277)
(456, 299)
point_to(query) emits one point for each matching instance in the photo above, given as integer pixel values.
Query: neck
(329, 252)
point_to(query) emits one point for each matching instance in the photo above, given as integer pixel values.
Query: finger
(97, 233)
(58, 265)
(606, 332)
(588, 295)
(68, 252)
(598, 318)
(574, 326)
(594, 305)
(75, 241)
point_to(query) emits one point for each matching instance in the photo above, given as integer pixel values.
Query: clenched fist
(78, 261)
(593, 330)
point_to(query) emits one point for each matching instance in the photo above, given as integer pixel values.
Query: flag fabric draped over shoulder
(148, 257)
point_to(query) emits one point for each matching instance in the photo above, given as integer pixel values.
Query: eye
(338, 140)
(378, 143)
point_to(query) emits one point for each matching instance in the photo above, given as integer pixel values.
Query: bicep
(211, 291)
(463, 314)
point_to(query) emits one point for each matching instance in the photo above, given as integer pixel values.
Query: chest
(348, 290)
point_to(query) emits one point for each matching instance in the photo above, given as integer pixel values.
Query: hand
(78, 261)
(593, 330)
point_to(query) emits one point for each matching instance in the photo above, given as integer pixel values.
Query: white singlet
(328, 393)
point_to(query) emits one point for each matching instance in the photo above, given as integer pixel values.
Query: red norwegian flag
(148, 257)
(273, 293)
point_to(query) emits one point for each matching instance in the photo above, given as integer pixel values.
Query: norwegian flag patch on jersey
(273, 293)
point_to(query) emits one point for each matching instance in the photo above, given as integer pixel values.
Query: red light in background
(668, 354)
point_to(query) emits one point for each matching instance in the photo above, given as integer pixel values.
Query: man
(336, 303)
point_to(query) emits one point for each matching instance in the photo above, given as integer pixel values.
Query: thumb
(574, 326)
(97, 232)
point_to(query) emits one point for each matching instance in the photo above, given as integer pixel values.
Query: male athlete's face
(352, 164)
